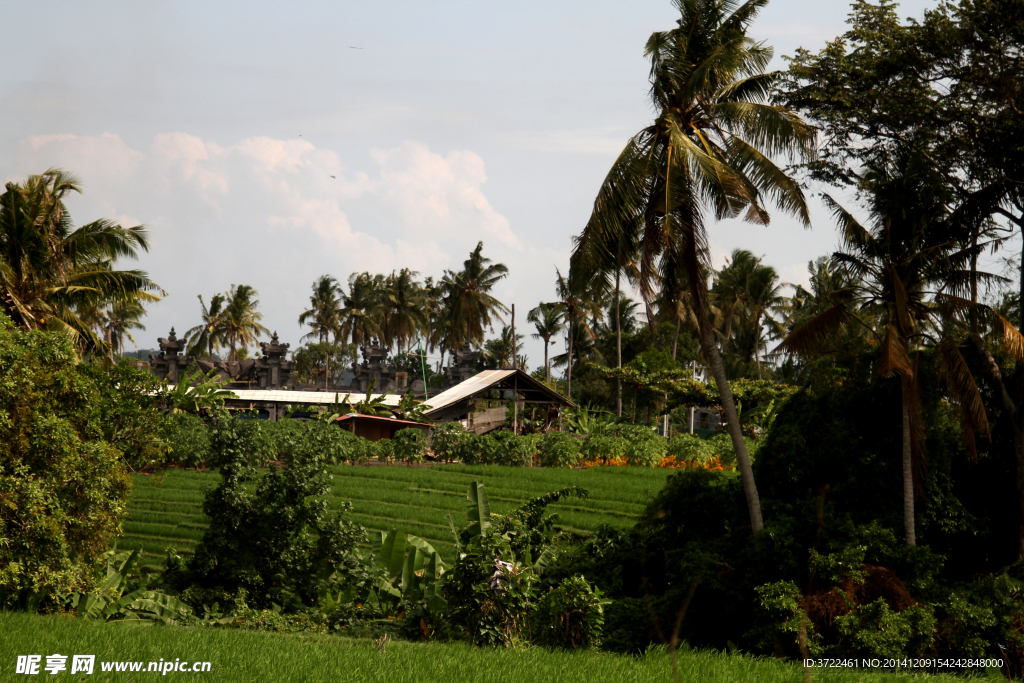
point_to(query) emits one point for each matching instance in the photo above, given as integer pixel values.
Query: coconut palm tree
(547, 320)
(468, 305)
(359, 310)
(402, 309)
(324, 312)
(899, 266)
(207, 337)
(576, 305)
(707, 154)
(119, 320)
(241, 321)
(50, 270)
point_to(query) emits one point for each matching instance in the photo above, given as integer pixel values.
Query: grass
(166, 508)
(247, 656)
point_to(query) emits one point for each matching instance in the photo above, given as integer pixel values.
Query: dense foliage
(63, 486)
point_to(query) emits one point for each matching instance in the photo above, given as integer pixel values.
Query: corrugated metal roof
(466, 389)
(486, 380)
(308, 397)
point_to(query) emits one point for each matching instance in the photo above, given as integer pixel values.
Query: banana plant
(108, 602)
(410, 571)
(479, 511)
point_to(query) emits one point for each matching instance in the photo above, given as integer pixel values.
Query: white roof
(309, 397)
(468, 388)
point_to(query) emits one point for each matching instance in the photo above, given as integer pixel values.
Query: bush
(601, 448)
(334, 444)
(570, 617)
(644, 448)
(410, 445)
(63, 487)
(445, 438)
(691, 448)
(558, 449)
(186, 437)
(128, 416)
(512, 450)
(271, 535)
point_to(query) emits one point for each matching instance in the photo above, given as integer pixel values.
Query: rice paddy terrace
(166, 508)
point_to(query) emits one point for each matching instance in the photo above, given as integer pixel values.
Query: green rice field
(235, 655)
(166, 507)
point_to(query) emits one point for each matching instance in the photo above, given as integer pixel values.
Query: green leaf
(479, 511)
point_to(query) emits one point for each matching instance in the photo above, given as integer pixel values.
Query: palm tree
(576, 305)
(402, 309)
(50, 270)
(708, 152)
(358, 315)
(500, 351)
(891, 266)
(547, 320)
(324, 312)
(119, 320)
(241, 320)
(468, 304)
(207, 337)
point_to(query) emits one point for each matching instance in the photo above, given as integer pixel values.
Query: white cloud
(276, 213)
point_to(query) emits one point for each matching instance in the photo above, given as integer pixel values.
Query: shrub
(512, 450)
(445, 438)
(334, 444)
(627, 628)
(63, 488)
(477, 449)
(874, 630)
(186, 437)
(601, 448)
(384, 449)
(691, 448)
(410, 445)
(271, 535)
(558, 449)
(126, 403)
(570, 617)
(644, 448)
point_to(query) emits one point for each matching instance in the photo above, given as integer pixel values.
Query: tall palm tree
(708, 153)
(762, 296)
(241, 320)
(547, 320)
(207, 337)
(119, 320)
(402, 309)
(324, 312)
(359, 312)
(576, 305)
(468, 304)
(898, 266)
(50, 270)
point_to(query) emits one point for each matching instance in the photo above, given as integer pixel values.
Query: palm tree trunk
(568, 371)
(757, 343)
(732, 422)
(675, 339)
(618, 345)
(547, 365)
(908, 468)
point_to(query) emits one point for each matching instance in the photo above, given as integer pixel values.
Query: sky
(270, 143)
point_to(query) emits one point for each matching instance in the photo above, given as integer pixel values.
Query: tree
(207, 337)
(575, 305)
(894, 264)
(120, 319)
(64, 487)
(500, 351)
(402, 309)
(324, 312)
(547, 320)
(358, 314)
(707, 152)
(468, 304)
(241, 320)
(49, 269)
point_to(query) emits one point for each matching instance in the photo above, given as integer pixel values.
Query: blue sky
(220, 126)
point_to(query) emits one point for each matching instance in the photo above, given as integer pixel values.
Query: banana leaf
(479, 511)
